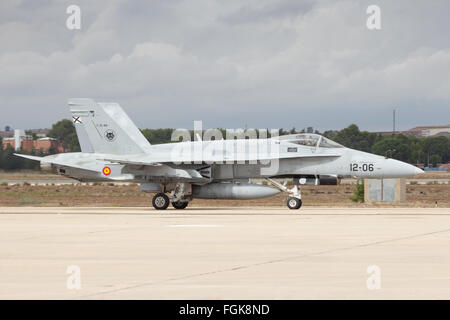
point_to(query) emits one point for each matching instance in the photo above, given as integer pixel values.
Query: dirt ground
(29, 175)
(130, 196)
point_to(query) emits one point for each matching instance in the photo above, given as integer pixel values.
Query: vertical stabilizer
(106, 128)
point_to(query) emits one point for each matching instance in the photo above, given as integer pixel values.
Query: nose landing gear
(294, 201)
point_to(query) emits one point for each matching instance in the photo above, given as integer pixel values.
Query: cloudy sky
(260, 63)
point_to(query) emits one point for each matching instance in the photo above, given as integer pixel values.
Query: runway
(225, 253)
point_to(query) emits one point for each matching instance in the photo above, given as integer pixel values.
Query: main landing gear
(179, 196)
(294, 201)
(161, 202)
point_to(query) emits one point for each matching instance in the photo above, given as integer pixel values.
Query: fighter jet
(113, 149)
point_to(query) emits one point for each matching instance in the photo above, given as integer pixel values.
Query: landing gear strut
(294, 201)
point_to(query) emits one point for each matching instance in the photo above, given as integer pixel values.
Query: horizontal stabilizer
(30, 157)
(53, 161)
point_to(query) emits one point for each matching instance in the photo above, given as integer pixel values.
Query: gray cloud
(229, 63)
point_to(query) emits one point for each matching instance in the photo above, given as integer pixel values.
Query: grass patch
(358, 194)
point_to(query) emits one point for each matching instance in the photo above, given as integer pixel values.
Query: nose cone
(398, 169)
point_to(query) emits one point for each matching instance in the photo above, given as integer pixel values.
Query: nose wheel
(294, 203)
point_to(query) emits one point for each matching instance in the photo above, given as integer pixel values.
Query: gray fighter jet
(114, 150)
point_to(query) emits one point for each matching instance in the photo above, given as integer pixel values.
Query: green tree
(157, 136)
(32, 134)
(1, 153)
(435, 159)
(10, 161)
(64, 131)
(392, 147)
(353, 138)
(437, 145)
(416, 153)
(330, 134)
(282, 132)
(358, 194)
(30, 164)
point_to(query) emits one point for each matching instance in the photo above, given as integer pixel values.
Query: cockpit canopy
(310, 140)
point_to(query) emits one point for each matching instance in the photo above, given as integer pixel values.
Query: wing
(158, 160)
(134, 163)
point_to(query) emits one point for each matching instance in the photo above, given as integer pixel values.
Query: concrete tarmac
(225, 253)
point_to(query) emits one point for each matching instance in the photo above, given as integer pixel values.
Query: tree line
(411, 149)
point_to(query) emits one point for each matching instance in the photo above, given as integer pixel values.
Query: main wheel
(294, 203)
(160, 201)
(180, 204)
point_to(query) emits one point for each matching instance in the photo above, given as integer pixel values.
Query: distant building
(429, 131)
(42, 133)
(424, 131)
(21, 141)
(6, 134)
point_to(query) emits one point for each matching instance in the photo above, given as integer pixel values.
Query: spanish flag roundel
(106, 171)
